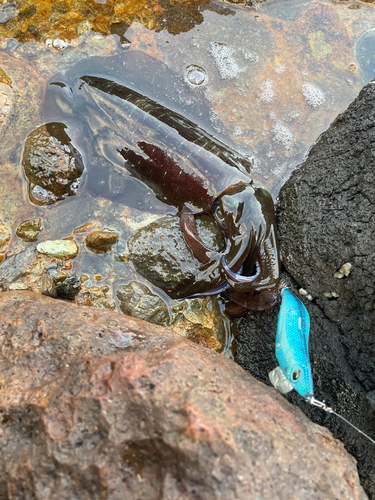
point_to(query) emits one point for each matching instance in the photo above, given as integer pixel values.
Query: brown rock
(97, 405)
(29, 229)
(102, 241)
(52, 165)
(5, 236)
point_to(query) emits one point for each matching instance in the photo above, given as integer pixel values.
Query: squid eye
(218, 214)
(296, 375)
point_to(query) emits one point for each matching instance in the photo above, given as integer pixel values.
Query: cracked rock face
(98, 405)
(326, 218)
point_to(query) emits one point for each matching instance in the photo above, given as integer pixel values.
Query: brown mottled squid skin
(195, 180)
(188, 168)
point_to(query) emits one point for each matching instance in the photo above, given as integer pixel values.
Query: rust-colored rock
(101, 406)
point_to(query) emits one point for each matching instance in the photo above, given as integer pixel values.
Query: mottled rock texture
(29, 229)
(159, 252)
(52, 165)
(326, 217)
(101, 406)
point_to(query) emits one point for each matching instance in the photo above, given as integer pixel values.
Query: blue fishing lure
(292, 337)
(292, 352)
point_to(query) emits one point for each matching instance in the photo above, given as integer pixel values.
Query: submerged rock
(61, 249)
(138, 301)
(67, 286)
(199, 320)
(112, 407)
(47, 286)
(29, 229)
(326, 220)
(13, 268)
(101, 241)
(52, 165)
(160, 253)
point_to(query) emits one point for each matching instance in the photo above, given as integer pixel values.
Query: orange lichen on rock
(45, 19)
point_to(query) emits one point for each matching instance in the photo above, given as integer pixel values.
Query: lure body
(292, 339)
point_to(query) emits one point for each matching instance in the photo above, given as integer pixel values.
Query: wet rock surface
(138, 301)
(61, 249)
(160, 253)
(326, 218)
(29, 229)
(112, 407)
(101, 241)
(67, 286)
(52, 165)
(13, 268)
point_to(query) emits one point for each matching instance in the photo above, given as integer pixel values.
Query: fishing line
(326, 408)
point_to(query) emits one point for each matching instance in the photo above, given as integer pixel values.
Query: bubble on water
(268, 93)
(314, 96)
(225, 61)
(195, 76)
(249, 56)
(283, 135)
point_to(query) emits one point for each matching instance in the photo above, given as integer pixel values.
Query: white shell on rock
(346, 268)
(61, 249)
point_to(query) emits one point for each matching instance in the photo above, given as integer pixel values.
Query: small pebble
(68, 265)
(98, 41)
(69, 287)
(29, 229)
(83, 278)
(48, 286)
(302, 291)
(346, 268)
(17, 286)
(335, 294)
(59, 277)
(338, 275)
(97, 277)
(309, 297)
(52, 269)
(328, 295)
(102, 241)
(61, 249)
(83, 27)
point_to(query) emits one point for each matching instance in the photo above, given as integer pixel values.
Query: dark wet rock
(326, 218)
(67, 286)
(106, 406)
(160, 253)
(12, 269)
(101, 241)
(52, 165)
(138, 301)
(29, 229)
